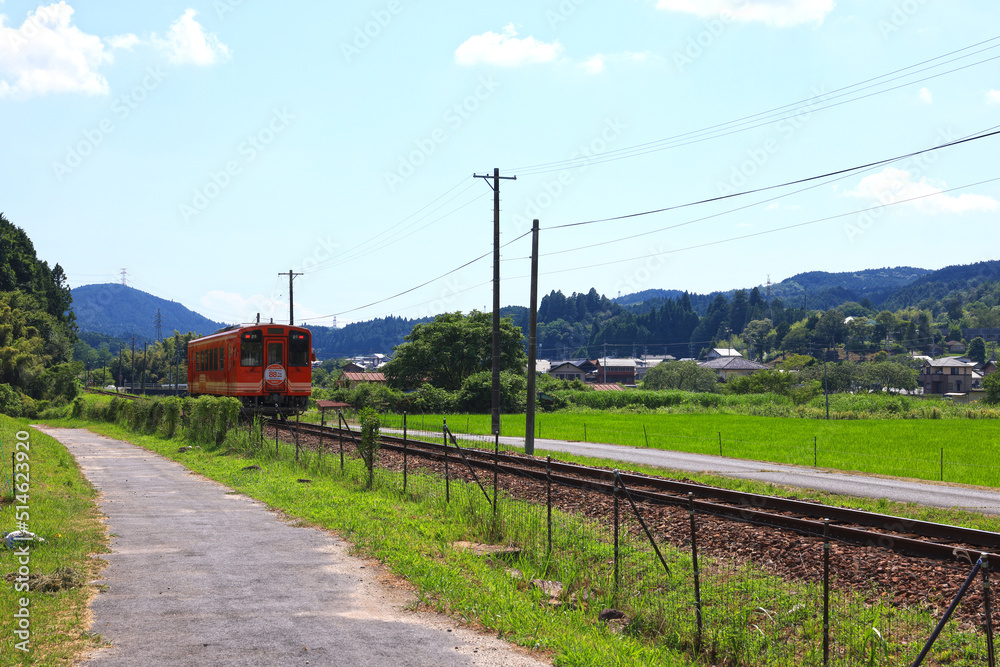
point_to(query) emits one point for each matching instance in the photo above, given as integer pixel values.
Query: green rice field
(953, 450)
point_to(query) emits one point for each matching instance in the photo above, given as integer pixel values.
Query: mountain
(819, 290)
(940, 284)
(121, 311)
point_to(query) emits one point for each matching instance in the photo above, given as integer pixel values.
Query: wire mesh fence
(733, 592)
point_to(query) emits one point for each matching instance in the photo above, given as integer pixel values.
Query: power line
(975, 137)
(814, 103)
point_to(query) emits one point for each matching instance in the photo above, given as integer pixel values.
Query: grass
(751, 617)
(62, 510)
(897, 447)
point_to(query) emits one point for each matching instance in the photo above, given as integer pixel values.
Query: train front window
(275, 353)
(298, 349)
(251, 348)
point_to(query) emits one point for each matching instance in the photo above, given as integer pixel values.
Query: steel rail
(902, 535)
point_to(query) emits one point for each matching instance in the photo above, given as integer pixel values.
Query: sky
(205, 148)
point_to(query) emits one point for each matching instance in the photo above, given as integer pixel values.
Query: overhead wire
(814, 103)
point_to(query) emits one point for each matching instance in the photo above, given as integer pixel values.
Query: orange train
(268, 367)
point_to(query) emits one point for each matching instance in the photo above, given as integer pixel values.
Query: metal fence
(732, 591)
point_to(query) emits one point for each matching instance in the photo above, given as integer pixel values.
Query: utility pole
(291, 312)
(131, 383)
(143, 369)
(529, 419)
(495, 402)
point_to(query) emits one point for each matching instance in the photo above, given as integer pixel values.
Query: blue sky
(209, 146)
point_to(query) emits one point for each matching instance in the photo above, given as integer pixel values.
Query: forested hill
(816, 290)
(122, 311)
(36, 326)
(361, 338)
(944, 284)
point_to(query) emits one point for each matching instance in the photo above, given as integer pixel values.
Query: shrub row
(205, 420)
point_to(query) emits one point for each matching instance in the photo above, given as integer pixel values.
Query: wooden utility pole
(529, 419)
(291, 308)
(495, 402)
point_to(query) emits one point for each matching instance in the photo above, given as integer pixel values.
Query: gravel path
(200, 575)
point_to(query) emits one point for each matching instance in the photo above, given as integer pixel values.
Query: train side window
(275, 353)
(298, 349)
(251, 348)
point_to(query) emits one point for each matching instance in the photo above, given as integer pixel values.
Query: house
(621, 371)
(948, 376)
(988, 334)
(351, 367)
(352, 380)
(608, 387)
(720, 352)
(649, 361)
(729, 367)
(568, 371)
(955, 346)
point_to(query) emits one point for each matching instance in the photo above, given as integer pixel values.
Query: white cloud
(777, 13)
(126, 41)
(188, 43)
(925, 96)
(234, 308)
(993, 97)
(47, 54)
(598, 62)
(594, 64)
(506, 49)
(893, 185)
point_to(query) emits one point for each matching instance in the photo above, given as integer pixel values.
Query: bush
(10, 401)
(369, 445)
(171, 415)
(476, 395)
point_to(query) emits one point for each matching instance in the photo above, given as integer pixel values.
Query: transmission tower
(124, 271)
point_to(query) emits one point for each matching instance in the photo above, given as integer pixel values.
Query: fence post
(404, 452)
(815, 453)
(585, 431)
(548, 499)
(942, 464)
(644, 433)
(720, 443)
(496, 468)
(614, 493)
(341, 422)
(826, 592)
(948, 612)
(276, 422)
(447, 482)
(694, 567)
(988, 608)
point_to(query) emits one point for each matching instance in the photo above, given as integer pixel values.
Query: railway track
(908, 536)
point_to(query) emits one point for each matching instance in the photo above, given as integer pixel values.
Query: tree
(991, 383)
(683, 375)
(977, 350)
(453, 347)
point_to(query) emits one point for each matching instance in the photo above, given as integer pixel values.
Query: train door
(275, 370)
